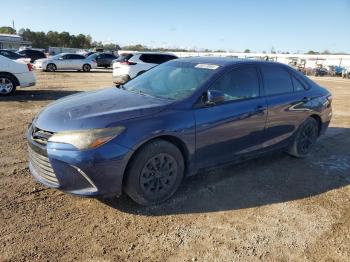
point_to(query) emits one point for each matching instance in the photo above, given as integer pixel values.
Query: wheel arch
(319, 122)
(11, 75)
(176, 141)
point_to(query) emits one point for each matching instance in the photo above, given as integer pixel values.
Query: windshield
(173, 80)
(56, 56)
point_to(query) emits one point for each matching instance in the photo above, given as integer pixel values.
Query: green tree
(7, 30)
(247, 51)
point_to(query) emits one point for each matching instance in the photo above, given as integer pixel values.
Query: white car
(130, 65)
(13, 74)
(65, 61)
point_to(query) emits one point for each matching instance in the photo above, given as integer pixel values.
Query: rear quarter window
(276, 80)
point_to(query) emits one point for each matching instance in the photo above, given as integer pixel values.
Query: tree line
(65, 39)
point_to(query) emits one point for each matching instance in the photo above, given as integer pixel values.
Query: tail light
(127, 63)
(94, 61)
(30, 67)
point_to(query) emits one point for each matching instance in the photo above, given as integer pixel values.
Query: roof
(8, 35)
(224, 61)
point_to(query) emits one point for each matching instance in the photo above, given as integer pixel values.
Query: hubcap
(307, 138)
(158, 175)
(86, 68)
(6, 85)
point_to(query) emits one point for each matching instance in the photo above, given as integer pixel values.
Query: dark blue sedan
(183, 116)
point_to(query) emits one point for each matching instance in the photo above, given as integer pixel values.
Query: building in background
(13, 42)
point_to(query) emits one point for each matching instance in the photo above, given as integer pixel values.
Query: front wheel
(51, 68)
(7, 85)
(155, 173)
(86, 68)
(305, 138)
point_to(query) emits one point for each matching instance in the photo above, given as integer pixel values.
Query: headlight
(87, 139)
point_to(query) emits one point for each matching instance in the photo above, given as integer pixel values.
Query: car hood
(97, 109)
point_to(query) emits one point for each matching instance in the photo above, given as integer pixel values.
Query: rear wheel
(155, 173)
(51, 68)
(305, 138)
(86, 68)
(7, 85)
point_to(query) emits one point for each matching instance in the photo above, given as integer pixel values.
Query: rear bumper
(88, 173)
(26, 79)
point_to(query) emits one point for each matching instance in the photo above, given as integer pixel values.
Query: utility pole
(13, 24)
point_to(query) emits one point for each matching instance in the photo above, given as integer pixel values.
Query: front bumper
(89, 173)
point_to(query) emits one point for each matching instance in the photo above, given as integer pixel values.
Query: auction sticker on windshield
(207, 66)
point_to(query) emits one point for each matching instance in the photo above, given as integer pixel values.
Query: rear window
(124, 57)
(156, 58)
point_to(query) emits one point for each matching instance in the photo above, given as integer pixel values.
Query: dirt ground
(275, 208)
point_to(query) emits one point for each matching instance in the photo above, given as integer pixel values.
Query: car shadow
(275, 178)
(22, 95)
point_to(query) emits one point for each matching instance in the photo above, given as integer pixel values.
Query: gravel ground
(275, 208)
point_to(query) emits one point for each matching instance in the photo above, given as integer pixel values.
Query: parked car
(130, 65)
(102, 59)
(65, 61)
(174, 120)
(32, 54)
(14, 74)
(9, 54)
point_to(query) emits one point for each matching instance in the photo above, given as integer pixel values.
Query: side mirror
(215, 97)
(60, 58)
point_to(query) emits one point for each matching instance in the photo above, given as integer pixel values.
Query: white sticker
(207, 66)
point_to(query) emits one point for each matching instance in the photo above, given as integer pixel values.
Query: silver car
(65, 61)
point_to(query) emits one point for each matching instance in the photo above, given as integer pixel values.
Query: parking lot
(272, 208)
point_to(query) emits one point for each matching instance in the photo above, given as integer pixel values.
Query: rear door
(77, 61)
(285, 96)
(235, 127)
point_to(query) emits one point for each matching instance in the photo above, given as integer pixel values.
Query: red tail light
(30, 67)
(127, 63)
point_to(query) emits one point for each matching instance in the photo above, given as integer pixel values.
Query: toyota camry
(144, 137)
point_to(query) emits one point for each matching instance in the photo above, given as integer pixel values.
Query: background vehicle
(13, 74)
(65, 61)
(9, 54)
(102, 59)
(32, 54)
(130, 65)
(172, 121)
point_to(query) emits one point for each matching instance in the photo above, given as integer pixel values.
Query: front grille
(41, 136)
(42, 167)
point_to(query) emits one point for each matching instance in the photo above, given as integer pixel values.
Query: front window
(174, 80)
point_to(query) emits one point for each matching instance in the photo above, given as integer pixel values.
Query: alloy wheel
(6, 85)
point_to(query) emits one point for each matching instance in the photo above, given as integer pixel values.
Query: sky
(258, 25)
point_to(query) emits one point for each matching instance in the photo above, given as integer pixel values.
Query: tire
(86, 68)
(7, 85)
(304, 139)
(155, 173)
(51, 67)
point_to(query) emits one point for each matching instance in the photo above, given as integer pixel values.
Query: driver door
(236, 126)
